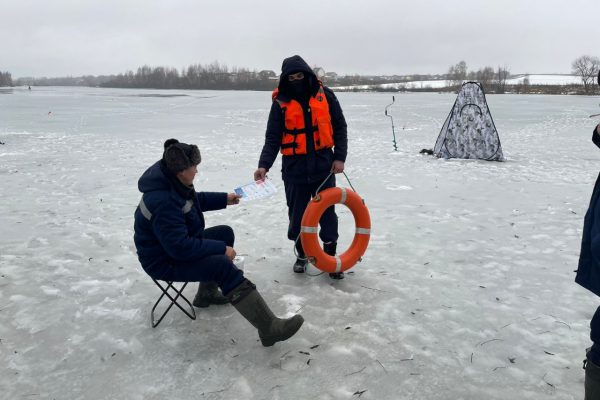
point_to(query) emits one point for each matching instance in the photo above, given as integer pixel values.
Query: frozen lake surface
(466, 290)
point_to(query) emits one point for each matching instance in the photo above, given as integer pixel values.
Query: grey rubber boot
(208, 293)
(592, 381)
(330, 248)
(299, 266)
(246, 299)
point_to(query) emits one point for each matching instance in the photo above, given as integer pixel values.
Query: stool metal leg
(191, 315)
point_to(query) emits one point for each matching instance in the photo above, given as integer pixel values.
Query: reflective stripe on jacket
(293, 139)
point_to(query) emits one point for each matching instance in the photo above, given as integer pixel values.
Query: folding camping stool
(178, 296)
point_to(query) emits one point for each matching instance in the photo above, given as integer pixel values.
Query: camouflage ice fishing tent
(469, 130)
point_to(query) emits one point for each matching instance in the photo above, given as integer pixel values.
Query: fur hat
(179, 156)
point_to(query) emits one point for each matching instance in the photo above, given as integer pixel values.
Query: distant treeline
(212, 76)
(216, 76)
(5, 79)
(521, 88)
(496, 80)
(220, 77)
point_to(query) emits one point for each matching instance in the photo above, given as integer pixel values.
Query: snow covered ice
(466, 290)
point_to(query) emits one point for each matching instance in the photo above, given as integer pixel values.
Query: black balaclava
(300, 89)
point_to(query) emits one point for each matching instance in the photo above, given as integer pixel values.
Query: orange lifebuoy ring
(310, 220)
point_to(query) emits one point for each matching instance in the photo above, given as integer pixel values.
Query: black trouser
(216, 268)
(592, 381)
(592, 369)
(223, 233)
(298, 195)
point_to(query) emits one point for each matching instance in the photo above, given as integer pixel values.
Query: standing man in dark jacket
(173, 245)
(306, 124)
(588, 276)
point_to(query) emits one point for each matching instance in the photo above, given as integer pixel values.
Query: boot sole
(205, 304)
(268, 342)
(201, 305)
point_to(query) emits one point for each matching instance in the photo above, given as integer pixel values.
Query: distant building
(267, 74)
(331, 76)
(319, 72)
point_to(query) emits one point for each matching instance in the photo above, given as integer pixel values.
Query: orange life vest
(293, 139)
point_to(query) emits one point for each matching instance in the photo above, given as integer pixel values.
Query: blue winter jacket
(169, 228)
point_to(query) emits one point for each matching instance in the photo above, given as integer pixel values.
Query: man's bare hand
(260, 174)
(230, 252)
(233, 198)
(337, 167)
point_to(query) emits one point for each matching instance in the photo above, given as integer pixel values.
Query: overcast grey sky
(77, 37)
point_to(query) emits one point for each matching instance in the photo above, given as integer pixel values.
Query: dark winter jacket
(169, 223)
(588, 271)
(315, 165)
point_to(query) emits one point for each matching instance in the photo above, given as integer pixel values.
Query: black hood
(294, 64)
(154, 179)
(159, 177)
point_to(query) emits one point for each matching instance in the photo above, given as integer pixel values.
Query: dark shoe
(330, 248)
(300, 266)
(301, 261)
(208, 293)
(246, 299)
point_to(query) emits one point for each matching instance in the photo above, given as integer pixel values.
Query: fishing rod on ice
(388, 115)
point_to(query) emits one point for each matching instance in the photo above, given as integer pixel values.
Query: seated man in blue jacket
(173, 244)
